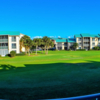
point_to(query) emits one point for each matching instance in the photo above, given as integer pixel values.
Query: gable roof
(86, 35)
(77, 35)
(9, 33)
(59, 39)
(72, 40)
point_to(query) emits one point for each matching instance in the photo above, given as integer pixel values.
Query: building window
(79, 47)
(79, 39)
(79, 44)
(99, 39)
(93, 39)
(59, 43)
(98, 44)
(93, 44)
(14, 39)
(13, 45)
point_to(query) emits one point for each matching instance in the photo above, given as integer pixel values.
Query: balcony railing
(86, 40)
(86, 45)
(13, 40)
(13, 47)
(65, 44)
(93, 44)
(86, 97)
(3, 40)
(80, 45)
(3, 47)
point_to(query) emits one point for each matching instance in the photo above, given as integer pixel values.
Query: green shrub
(96, 48)
(21, 54)
(12, 54)
(0, 56)
(69, 49)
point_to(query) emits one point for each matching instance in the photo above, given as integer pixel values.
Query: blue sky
(50, 17)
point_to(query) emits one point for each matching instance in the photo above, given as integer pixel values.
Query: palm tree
(29, 45)
(46, 41)
(50, 44)
(36, 42)
(75, 45)
(26, 42)
(42, 45)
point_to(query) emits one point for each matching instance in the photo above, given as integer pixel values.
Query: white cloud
(36, 37)
(71, 36)
(59, 36)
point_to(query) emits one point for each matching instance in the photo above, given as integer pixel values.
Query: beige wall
(23, 48)
(90, 42)
(96, 41)
(79, 42)
(10, 44)
(17, 43)
(62, 45)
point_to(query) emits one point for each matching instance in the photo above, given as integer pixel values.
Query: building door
(65, 48)
(3, 52)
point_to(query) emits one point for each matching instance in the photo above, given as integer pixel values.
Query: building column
(83, 43)
(90, 42)
(62, 45)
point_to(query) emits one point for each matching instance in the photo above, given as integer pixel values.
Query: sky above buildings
(38, 18)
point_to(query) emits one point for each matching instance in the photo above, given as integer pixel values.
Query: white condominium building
(10, 41)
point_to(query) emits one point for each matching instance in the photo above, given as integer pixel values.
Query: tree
(29, 45)
(50, 44)
(36, 42)
(75, 45)
(42, 45)
(47, 43)
(26, 42)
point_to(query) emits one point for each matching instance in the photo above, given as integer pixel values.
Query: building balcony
(86, 40)
(86, 45)
(3, 40)
(65, 45)
(80, 40)
(79, 45)
(59, 45)
(3, 47)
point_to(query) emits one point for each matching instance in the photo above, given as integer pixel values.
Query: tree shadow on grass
(56, 80)
(5, 67)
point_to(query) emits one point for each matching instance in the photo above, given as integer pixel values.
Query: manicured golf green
(59, 74)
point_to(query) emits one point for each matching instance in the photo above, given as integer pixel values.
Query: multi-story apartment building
(63, 43)
(85, 41)
(10, 41)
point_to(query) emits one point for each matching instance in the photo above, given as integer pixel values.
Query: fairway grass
(59, 74)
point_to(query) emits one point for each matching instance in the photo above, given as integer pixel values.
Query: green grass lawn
(59, 74)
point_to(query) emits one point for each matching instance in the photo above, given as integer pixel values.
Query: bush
(69, 49)
(12, 54)
(21, 54)
(96, 48)
(81, 50)
(0, 56)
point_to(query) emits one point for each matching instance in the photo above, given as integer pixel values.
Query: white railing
(86, 45)
(85, 97)
(86, 40)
